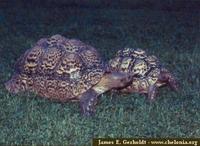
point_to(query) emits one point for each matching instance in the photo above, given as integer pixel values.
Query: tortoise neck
(100, 89)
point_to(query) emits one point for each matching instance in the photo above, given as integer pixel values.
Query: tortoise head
(113, 80)
(118, 80)
(15, 84)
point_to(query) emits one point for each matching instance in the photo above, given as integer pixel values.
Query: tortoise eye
(17, 82)
(121, 80)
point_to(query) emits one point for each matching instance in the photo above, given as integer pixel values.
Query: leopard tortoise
(148, 74)
(65, 69)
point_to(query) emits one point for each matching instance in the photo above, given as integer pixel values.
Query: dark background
(168, 5)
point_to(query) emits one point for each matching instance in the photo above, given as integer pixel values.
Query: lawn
(173, 36)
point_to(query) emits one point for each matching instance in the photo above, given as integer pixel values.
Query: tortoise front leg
(152, 91)
(88, 101)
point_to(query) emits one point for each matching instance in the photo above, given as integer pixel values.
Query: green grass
(172, 36)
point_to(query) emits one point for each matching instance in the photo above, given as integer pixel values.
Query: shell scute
(61, 68)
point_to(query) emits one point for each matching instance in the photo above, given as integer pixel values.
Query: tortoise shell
(135, 62)
(60, 68)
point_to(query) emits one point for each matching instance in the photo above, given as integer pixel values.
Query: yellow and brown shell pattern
(144, 68)
(60, 68)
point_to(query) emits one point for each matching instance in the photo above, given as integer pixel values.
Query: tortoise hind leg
(88, 101)
(167, 77)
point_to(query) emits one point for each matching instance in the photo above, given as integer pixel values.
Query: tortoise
(147, 71)
(64, 69)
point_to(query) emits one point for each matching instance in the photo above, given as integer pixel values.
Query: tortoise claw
(88, 107)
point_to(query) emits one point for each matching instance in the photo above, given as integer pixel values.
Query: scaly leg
(152, 90)
(167, 77)
(87, 102)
